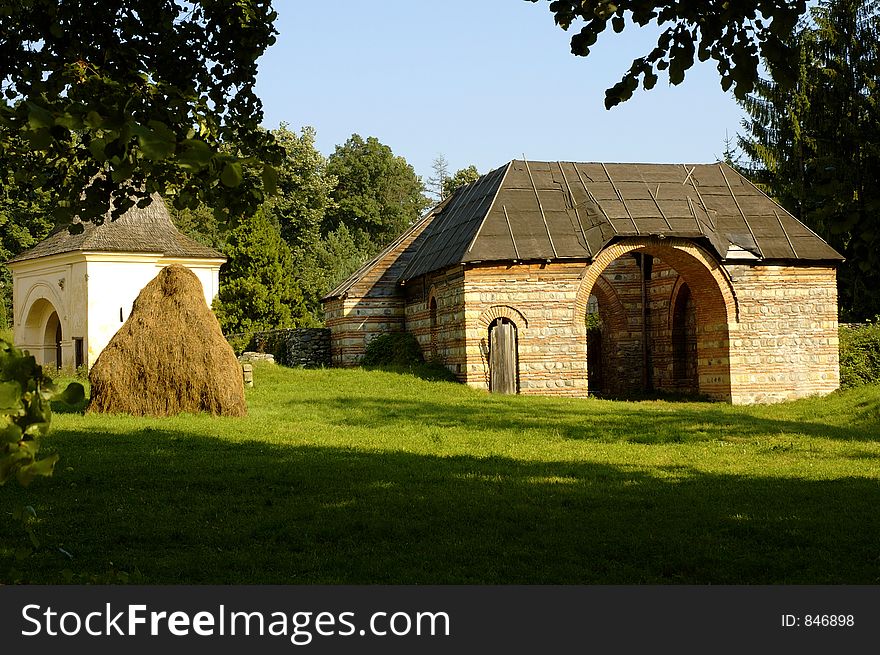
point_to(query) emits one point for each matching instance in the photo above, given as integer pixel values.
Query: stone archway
(682, 326)
(711, 292)
(606, 345)
(42, 332)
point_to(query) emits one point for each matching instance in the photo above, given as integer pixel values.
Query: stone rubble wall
(295, 347)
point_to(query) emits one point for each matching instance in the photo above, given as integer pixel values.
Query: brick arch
(614, 311)
(711, 289)
(691, 261)
(505, 311)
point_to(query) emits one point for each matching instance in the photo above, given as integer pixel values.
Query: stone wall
(786, 342)
(539, 299)
(373, 302)
(295, 347)
(435, 315)
(751, 332)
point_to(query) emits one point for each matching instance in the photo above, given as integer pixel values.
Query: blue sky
(482, 82)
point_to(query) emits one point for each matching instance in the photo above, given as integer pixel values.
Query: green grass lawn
(371, 477)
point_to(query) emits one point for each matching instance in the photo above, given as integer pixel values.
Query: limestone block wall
(373, 302)
(786, 343)
(442, 336)
(540, 300)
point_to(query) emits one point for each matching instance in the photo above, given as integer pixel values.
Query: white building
(72, 292)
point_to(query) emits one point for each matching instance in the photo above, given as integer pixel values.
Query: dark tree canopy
(736, 34)
(462, 176)
(378, 194)
(815, 146)
(117, 100)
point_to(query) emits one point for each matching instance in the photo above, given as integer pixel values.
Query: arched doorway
(42, 333)
(678, 306)
(52, 341)
(684, 341)
(595, 354)
(503, 361)
(608, 339)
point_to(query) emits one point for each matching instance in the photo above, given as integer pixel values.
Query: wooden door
(502, 357)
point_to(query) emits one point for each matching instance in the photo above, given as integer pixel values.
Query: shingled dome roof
(562, 210)
(147, 230)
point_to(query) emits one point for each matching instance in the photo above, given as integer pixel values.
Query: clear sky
(482, 82)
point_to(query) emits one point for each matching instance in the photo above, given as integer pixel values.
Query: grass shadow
(591, 420)
(179, 507)
(429, 371)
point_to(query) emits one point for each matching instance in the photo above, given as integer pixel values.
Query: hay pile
(169, 357)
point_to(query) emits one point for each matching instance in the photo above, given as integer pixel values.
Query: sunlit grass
(371, 477)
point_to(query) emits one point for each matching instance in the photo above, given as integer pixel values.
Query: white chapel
(72, 292)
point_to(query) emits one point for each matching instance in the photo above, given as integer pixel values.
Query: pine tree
(437, 182)
(256, 289)
(815, 147)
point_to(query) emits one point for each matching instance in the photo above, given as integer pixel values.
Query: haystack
(169, 357)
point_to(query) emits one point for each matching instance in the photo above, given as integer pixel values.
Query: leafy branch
(26, 394)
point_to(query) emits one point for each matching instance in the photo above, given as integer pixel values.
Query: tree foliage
(305, 188)
(815, 146)
(439, 175)
(25, 406)
(462, 176)
(24, 220)
(257, 291)
(105, 103)
(378, 194)
(735, 34)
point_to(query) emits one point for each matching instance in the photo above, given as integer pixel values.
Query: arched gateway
(650, 273)
(686, 278)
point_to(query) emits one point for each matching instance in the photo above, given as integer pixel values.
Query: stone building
(566, 279)
(72, 292)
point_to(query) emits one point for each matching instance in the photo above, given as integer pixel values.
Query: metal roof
(412, 236)
(147, 230)
(529, 210)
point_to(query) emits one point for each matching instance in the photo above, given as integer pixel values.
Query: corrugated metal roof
(566, 210)
(147, 230)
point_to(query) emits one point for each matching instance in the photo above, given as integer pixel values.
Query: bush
(859, 354)
(393, 349)
(239, 342)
